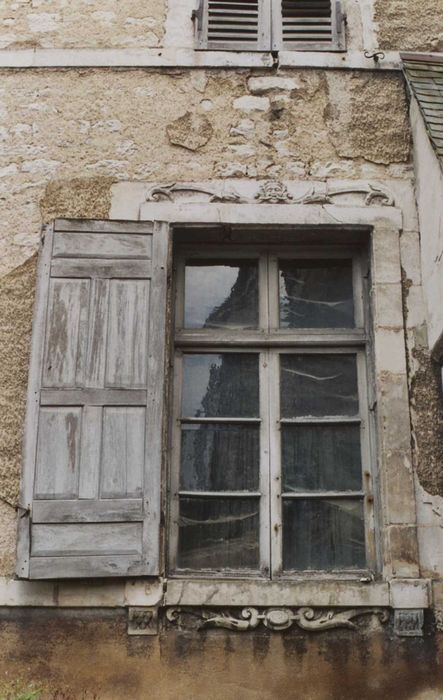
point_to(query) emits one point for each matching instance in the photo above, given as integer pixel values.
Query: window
(265, 25)
(270, 461)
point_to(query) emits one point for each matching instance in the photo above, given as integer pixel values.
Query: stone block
(249, 103)
(386, 266)
(388, 305)
(266, 84)
(402, 549)
(398, 488)
(390, 354)
(393, 413)
(410, 255)
(408, 593)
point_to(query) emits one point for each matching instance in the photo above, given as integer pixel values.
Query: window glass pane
(218, 533)
(220, 385)
(220, 294)
(323, 534)
(318, 385)
(220, 457)
(316, 294)
(321, 457)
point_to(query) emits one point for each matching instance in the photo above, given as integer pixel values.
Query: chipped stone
(190, 131)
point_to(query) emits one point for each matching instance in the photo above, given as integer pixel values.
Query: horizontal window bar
(220, 494)
(316, 420)
(252, 339)
(215, 419)
(323, 494)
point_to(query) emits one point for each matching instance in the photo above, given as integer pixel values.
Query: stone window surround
(400, 586)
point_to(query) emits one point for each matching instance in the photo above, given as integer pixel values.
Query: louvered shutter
(94, 420)
(232, 25)
(309, 25)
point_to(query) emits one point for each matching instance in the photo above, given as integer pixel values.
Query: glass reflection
(221, 294)
(219, 457)
(323, 534)
(321, 457)
(316, 294)
(218, 533)
(318, 385)
(220, 385)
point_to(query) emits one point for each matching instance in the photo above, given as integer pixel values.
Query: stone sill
(398, 593)
(189, 58)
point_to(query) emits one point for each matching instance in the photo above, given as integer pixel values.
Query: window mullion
(265, 464)
(275, 465)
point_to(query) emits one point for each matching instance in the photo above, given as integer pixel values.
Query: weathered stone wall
(71, 656)
(65, 24)
(409, 25)
(67, 136)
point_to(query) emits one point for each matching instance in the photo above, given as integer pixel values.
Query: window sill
(190, 58)
(300, 593)
(397, 593)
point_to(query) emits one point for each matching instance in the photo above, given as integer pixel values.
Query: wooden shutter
(94, 421)
(233, 25)
(310, 25)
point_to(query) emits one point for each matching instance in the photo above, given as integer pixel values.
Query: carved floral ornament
(276, 619)
(273, 192)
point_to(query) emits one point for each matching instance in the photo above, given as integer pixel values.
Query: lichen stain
(17, 291)
(85, 198)
(427, 404)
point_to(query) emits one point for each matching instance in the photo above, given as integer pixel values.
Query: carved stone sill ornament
(271, 192)
(276, 619)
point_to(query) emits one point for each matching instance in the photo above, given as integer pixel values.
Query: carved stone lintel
(143, 621)
(408, 623)
(169, 192)
(270, 192)
(275, 619)
(326, 195)
(273, 192)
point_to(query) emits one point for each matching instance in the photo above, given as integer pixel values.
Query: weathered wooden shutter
(309, 25)
(233, 25)
(94, 420)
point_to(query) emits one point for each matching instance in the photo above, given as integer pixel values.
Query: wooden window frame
(270, 341)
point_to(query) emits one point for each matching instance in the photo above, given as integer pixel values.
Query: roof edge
(436, 57)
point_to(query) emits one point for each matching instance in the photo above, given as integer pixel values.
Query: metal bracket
(143, 621)
(408, 623)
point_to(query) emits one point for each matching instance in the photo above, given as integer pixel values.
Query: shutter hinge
(197, 16)
(23, 510)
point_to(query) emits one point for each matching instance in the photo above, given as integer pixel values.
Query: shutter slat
(235, 25)
(93, 479)
(308, 25)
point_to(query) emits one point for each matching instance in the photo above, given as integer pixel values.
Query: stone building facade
(111, 116)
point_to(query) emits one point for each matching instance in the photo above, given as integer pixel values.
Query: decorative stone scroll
(326, 195)
(276, 619)
(170, 192)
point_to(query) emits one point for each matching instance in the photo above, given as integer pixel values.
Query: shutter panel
(234, 25)
(310, 25)
(94, 421)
